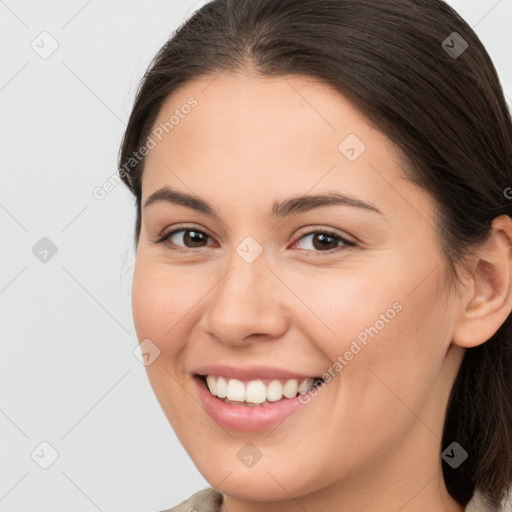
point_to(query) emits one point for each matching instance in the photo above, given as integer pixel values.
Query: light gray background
(69, 376)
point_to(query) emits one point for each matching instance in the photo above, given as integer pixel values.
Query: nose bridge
(247, 276)
(245, 301)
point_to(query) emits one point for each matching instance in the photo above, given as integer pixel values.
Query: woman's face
(256, 286)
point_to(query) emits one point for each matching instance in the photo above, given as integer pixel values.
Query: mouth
(257, 392)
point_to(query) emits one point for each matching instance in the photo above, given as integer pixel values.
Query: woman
(323, 255)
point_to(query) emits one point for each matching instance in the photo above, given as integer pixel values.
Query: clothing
(209, 500)
(205, 500)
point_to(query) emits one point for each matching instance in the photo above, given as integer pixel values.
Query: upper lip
(250, 372)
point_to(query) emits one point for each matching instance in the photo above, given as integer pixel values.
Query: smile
(258, 392)
(242, 414)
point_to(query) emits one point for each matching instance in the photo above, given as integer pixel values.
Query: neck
(432, 496)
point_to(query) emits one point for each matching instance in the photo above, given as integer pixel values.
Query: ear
(488, 298)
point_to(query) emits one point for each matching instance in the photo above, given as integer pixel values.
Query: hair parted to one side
(447, 115)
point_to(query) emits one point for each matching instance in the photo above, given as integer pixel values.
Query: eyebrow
(280, 209)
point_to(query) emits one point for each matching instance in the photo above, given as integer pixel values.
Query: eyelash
(179, 249)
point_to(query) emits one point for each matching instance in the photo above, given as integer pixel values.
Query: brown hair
(439, 101)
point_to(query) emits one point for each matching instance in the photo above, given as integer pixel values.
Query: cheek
(160, 298)
(370, 320)
(351, 306)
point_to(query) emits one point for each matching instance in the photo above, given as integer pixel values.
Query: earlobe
(489, 302)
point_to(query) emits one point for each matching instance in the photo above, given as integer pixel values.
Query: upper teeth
(255, 391)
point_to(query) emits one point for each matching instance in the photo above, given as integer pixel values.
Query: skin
(371, 439)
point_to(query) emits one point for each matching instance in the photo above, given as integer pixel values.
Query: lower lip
(244, 418)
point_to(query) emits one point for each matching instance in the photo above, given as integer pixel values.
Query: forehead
(281, 109)
(271, 136)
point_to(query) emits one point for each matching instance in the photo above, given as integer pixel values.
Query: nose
(246, 304)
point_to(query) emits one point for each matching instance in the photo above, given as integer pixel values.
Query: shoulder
(209, 500)
(479, 504)
(205, 500)
(473, 506)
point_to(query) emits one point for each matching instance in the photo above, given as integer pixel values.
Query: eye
(325, 241)
(191, 238)
(187, 239)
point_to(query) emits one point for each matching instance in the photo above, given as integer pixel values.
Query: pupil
(323, 237)
(190, 238)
